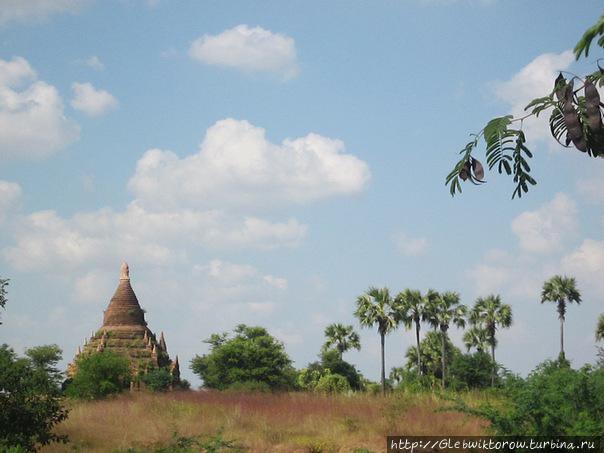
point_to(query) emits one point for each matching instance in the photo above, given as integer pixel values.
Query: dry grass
(262, 422)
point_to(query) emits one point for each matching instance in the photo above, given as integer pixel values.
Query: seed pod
(592, 106)
(478, 170)
(571, 120)
(559, 87)
(464, 173)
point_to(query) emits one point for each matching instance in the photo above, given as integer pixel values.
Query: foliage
(574, 118)
(410, 309)
(331, 363)
(332, 383)
(30, 404)
(410, 381)
(191, 444)
(99, 375)
(431, 354)
(342, 338)
(600, 328)
(3, 285)
(157, 380)
(555, 400)
(375, 307)
(471, 371)
(44, 359)
(561, 290)
(251, 355)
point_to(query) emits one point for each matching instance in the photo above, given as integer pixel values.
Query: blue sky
(267, 162)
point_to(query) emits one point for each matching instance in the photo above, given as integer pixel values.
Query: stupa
(125, 332)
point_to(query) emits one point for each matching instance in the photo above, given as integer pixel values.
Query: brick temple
(125, 332)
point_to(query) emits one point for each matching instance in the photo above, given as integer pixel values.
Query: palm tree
(342, 337)
(375, 307)
(561, 290)
(475, 337)
(431, 301)
(447, 310)
(489, 313)
(410, 309)
(600, 328)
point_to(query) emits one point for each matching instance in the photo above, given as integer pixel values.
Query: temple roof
(124, 309)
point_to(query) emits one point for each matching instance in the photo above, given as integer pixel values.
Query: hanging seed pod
(592, 106)
(478, 170)
(465, 173)
(571, 120)
(560, 87)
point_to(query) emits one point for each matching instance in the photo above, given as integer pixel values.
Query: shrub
(250, 386)
(333, 383)
(30, 404)
(99, 375)
(252, 355)
(471, 371)
(157, 380)
(554, 400)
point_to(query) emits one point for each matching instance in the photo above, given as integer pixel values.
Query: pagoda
(125, 332)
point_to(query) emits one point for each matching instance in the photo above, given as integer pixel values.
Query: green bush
(99, 375)
(250, 386)
(157, 380)
(251, 355)
(333, 384)
(471, 371)
(30, 404)
(554, 400)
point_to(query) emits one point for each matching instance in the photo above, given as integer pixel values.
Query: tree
(99, 375)
(490, 314)
(432, 354)
(158, 380)
(561, 290)
(574, 119)
(3, 285)
(44, 359)
(471, 371)
(475, 337)
(410, 308)
(252, 356)
(600, 328)
(375, 308)
(342, 337)
(447, 311)
(30, 403)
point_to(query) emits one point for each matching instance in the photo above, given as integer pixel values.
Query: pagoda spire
(162, 343)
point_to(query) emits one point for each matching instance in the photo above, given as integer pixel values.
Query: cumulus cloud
(237, 166)
(32, 121)
(44, 240)
(10, 193)
(22, 10)
(248, 49)
(91, 101)
(409, 246)
(586, 263)
(534, 80)
(546, 228)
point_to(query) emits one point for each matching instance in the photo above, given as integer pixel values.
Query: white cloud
(93, 287)
(45, 241)
(237, 166)
(20, 10)
(32, 122)
(408, 245)
(534, 80)
(91, 101)
(95, 62)
(545, 229)
(249, 49)
(587, 263)
(10, 193)
(276, 282)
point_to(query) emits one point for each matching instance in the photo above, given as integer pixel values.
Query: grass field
(295, 422)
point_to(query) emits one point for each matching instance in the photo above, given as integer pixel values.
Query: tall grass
(261, 422)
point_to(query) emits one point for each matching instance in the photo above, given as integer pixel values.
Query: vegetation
(487, 315)
(600, 328)
(342, 337)
(410, 309)
(375, 307)
(99, 375)
(574, 120)
(30, 403)
(554, 400)
(331, 364)
(250, 357)
(561, 291)
(446, 310)
(3, 285)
